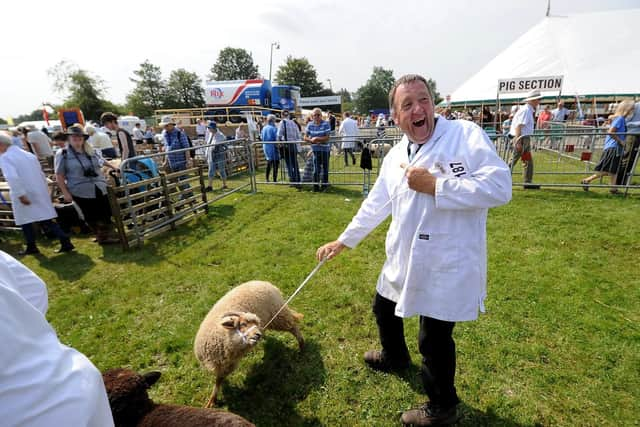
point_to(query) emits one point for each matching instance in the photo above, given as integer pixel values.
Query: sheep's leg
(214, 396)
(296, 333)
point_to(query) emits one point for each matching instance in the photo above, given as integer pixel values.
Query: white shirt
(41, 143)
(100, 141)
(200, 129)
(348, 130)
(524, 116)
(559, 114)
(24, 175)
(292, 131)
(42, 381)
(137, 134)
(436, 255)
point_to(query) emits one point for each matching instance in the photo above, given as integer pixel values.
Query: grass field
(560, 344)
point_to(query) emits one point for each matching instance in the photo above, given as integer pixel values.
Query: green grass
(560, 344)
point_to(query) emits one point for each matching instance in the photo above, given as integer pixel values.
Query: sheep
(131, 405)
(233, 327)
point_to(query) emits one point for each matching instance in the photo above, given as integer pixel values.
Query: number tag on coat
(452, 168)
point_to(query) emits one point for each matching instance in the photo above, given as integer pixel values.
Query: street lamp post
(277, 46)
(330, 85)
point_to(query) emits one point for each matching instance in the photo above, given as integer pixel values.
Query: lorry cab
(285, 97)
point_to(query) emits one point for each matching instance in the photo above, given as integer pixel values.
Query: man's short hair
(59, 136)
(5, 138)
(108, 117)
(406, 79)
(347, 114)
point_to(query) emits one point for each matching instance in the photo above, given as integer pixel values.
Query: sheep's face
(243, 328)
(127, 391)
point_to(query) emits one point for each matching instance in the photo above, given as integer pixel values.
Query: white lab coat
(25, 177)
(349, 131)
(436, 245)
(42, 381)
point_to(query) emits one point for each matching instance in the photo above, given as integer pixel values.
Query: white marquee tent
(597, 53)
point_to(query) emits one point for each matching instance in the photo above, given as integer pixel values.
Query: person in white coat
(437, 184)
(348, 131)
(42, 381)
(30, 199)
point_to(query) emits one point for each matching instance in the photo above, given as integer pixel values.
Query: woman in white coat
(437, 184)
(30, 199)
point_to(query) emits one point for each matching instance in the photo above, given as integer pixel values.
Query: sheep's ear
(229, 321)
(151, 378)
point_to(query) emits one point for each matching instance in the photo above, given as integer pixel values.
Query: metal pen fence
(565, 157)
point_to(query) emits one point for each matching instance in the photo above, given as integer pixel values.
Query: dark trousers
(290, 154)
(435, 341)
(347, 152)
(30, 235)
(275, 164)
(321, 168)
(96, 210)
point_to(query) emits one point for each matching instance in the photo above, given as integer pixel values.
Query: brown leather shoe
(376, 359)
(430, 415)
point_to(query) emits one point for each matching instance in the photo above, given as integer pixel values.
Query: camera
(90, 173)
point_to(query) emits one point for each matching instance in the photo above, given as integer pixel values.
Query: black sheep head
(128, 397)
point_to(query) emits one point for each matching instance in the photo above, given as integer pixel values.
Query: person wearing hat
(125, 142)
(520, 132)
(30, 199)
(216, 154)
(79, 177)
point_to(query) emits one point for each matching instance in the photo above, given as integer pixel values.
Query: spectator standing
(79, 177)
(614, 144)
(101, 142)
(125, 142)
(137, 134)
(175, 139)
(332, 122)
(30, 198)
(216, 155)
(269, 134)
(349, 132)
(632, 145)
(40, 144)
(201, 129)
(544, 118)
(59, 139)
(317, 134)
(149, 135)
(288, 130)
(560, 113)
(520, 132)
(436, 244)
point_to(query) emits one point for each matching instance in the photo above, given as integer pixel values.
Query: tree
(299, 72)
(82, 89)
(375, 92)
(437, 99)
(184, 90)
(2, 121)
(233, 64)
(346, 95)
(150, 91)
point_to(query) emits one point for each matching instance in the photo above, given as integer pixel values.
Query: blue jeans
(216, 161)
(30, 235)
(321, 168)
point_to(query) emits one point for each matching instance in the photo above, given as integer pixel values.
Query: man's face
(169, 127)
(413, 111)
(111, 125)
(317, 117)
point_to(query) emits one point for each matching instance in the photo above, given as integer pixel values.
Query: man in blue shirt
(175, 139)
(317, 133)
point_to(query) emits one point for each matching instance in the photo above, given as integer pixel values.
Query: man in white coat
(30, 200)
(437, 184)
(348, 131)
(42, 381)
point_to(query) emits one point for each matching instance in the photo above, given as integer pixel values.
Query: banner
(320, 100)
(526, 84)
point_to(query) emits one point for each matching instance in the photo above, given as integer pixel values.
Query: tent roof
(596, 53)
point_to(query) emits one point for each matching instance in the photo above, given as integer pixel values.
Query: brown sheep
(131, 405)
(233, 327)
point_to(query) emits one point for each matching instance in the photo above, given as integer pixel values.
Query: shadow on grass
(475, 417)
(70, 266)
(273, 387)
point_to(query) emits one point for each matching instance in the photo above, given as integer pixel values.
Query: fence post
(203, 193)
(629, 176)
(167, 198)
(117, 216)
(252, 167)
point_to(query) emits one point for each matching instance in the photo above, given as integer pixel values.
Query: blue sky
(448, 41)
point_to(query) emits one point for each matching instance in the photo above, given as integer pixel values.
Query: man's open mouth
(419, 123)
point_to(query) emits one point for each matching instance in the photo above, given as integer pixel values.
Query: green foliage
(150, 92)
(234, 64)
(374, 94)
(346, 95)
(184, 90)
(299, 72)
(81, 89)
(437, 99)
(2, 121)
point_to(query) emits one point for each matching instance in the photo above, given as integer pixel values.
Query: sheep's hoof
(301, 345)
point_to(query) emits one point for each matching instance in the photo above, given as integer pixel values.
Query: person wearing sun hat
(522, 126)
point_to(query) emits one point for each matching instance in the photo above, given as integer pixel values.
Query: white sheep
(234, 326)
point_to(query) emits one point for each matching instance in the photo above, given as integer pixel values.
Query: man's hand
(421, 180)
(329, 250)
(67, 197)
(24, 200)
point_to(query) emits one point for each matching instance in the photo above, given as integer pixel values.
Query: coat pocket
(436, 251)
